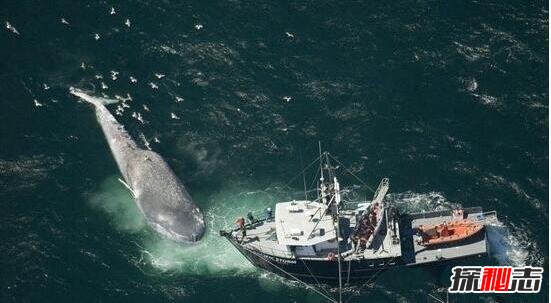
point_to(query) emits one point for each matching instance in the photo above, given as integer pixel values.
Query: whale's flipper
(94, 100)
(132, 192)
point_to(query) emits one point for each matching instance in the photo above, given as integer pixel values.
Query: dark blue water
(448, 99)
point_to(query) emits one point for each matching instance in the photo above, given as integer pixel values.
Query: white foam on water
(506, 245)
(115, 200)
(213, 255)
(412, 202)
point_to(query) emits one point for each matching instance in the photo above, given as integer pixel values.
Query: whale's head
(185, 227)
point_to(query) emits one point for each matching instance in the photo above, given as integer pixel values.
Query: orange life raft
(448, 232)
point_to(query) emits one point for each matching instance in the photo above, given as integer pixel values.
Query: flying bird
(11, 28)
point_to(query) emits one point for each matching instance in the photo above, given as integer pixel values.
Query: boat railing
(439, 213)
(273, 251)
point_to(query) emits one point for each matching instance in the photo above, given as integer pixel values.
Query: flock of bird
(114, 76)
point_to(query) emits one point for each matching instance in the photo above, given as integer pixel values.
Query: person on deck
(240, 222)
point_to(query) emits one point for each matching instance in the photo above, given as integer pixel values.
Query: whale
(161, 197)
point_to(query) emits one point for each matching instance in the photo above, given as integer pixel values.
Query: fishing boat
(330, 239)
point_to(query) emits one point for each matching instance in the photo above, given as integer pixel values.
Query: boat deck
(261, 236)
(415, 253)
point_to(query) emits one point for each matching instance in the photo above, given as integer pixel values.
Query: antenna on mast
(303, 177)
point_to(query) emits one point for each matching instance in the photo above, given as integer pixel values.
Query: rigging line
(346, 168)
(315, 179)
(311, 274)
(372, 278)
(292, 276)
(307, 167)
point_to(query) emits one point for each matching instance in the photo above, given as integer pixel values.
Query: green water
(448, 99)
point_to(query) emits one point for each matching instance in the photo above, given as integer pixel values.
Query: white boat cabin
(305, 228)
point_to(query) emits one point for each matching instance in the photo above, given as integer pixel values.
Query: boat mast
(337, 201)
(334, 206)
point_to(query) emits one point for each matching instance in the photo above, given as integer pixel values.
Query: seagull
(64, 21)
(11, 28)
(104, 86)
(133, 80)
(112, 11)
(96, 36)
(159, 76)
(98, 76)
(153, 85)
(37, 104)
(145, 142)
(83, 65)
(114, 75)
(125, 105)
(138, 117)
(145, 107)
(156, 140)
(127, 22)
(128, 97)
(173, 116)
(198, 26)
(289, 35)
(287, 98)
(46, 87)
(179, 99)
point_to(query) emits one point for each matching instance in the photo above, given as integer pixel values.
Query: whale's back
(162, 197)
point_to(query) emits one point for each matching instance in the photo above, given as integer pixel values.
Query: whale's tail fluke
(96, 101)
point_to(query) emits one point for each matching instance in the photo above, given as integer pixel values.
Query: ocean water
(449, 99)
